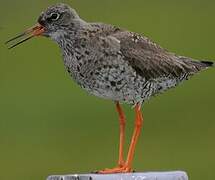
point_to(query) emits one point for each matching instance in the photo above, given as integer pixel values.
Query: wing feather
(150, 60)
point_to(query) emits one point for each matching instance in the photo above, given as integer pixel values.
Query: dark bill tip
(18, 36)
(20, 42)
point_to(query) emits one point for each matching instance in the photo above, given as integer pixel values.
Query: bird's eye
(54, 16)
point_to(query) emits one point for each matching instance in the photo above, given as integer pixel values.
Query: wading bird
(112, 63)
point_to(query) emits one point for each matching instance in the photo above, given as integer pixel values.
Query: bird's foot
(119, 169)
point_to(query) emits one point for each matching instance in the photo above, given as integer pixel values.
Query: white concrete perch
(175, 175)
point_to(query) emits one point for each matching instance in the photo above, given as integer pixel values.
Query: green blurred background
(48, 125)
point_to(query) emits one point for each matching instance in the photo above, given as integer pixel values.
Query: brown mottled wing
(150, 60)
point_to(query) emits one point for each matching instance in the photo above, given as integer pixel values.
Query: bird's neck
(72, 43)
(66, 36)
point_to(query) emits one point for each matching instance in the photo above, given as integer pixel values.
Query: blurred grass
(48, 125)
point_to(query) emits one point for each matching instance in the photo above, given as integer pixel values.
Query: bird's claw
(123, 169)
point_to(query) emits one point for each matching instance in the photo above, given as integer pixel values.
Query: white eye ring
(54, 16)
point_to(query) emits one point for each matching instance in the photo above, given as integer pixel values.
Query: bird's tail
(196, 65)
(207, 63)
(201, 65)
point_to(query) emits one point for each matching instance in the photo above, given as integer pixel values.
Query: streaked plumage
(114, 64)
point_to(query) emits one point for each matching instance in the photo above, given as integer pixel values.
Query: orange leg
(122, 122)
(121, 161)
(126, 167)
(136, 134)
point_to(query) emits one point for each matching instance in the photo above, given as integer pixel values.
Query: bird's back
(126, 66)
(153, 60)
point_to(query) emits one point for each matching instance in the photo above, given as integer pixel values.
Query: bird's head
(53, 22)
(57, 19)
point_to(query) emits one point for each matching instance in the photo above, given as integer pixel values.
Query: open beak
(36, 30)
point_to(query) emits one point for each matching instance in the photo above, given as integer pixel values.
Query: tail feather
(207, 63)
(198, 65)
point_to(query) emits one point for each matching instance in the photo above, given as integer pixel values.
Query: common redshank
(112, 63)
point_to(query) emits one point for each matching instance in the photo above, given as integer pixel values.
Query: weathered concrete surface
(175, 175)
